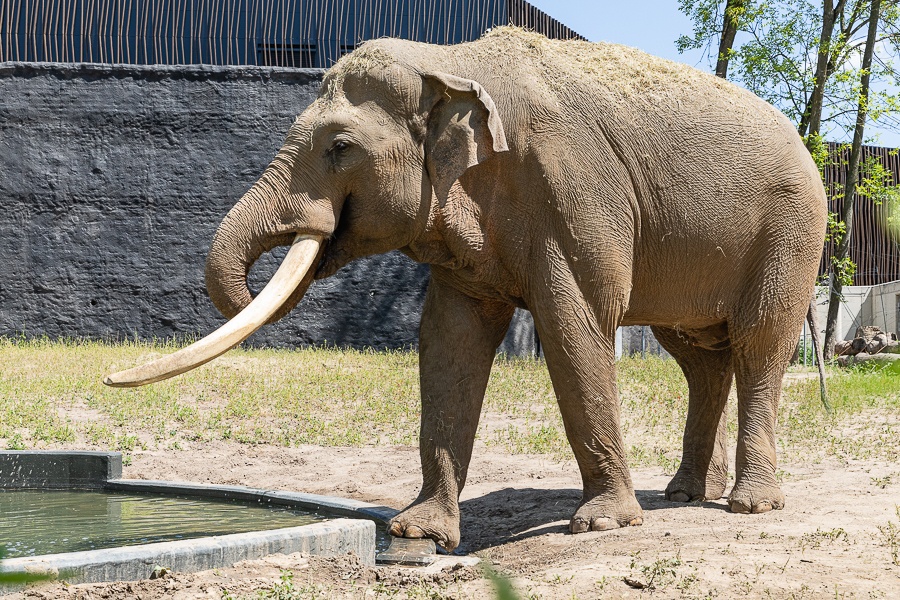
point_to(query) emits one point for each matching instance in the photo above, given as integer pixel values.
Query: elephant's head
(356, 176)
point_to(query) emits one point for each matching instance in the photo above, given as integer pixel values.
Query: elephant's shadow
(511, 514)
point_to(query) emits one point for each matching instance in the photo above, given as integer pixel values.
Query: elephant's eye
(337, 154)
(340, 146)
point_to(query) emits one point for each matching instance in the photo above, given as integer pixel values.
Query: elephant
(590, 183)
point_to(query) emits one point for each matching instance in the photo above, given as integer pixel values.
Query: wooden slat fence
(874, 245)
(296, 33)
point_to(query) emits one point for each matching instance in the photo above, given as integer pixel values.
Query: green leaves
(776, 52)
(877, 182)
(707, 16)
(836, 229)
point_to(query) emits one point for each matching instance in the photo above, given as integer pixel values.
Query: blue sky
(651, 25)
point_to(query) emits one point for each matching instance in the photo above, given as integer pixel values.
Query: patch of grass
(542, 439)
(864, 423)
(818, 537)
(654, 398)
(659, 574)
(882, 482)
(652, 395)
(284, 589)
(890, 535)
(51, 393)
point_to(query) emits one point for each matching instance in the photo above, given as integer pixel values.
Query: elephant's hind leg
(761, 356)
(704, 463)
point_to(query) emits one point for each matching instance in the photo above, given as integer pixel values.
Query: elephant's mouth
(335, 254)
(333, 258)
(278, 292)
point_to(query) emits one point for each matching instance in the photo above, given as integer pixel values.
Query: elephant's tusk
(289, 275)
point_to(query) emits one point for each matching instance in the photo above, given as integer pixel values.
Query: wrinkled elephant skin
(595, 186)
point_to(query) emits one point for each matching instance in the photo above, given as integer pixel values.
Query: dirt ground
(832, 540)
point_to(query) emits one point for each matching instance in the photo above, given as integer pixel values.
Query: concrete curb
(58, 469)
(103, 470)
(331, 538)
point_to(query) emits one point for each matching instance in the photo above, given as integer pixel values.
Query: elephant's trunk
(240, 240)
(248, 231)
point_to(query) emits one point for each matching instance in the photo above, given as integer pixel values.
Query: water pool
(37, 522)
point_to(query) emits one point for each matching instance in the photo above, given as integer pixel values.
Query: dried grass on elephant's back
(624, 77)
(620, 73)
(642, 90)
(611, 65)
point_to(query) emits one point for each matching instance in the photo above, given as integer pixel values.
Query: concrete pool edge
(42, 469)
(129, 563)
(333, 504)
(58, 469)
(89, 469)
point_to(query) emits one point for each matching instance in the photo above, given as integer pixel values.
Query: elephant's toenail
(578, 525)
(636, 521)
(396, 529)
(762, 507)
(414, 532)
(739, 507)
(679, 497)
(603, 524)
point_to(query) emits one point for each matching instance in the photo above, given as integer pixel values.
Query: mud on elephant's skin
(595, 186)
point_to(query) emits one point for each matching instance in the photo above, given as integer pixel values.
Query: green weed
(659, 574)
(818, 537)
(890, 535)
(882, 482)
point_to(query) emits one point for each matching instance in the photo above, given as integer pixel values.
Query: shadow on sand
(514, 514)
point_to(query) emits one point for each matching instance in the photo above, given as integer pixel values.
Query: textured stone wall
(112, 181)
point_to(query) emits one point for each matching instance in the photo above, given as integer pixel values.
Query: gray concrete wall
(112, 181)
(863, 305)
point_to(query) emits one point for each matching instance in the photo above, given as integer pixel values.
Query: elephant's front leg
(579, 345)
(457, 342)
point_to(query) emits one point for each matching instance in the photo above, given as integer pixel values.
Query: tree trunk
(842, 250)
(811, 121)
(734, 9)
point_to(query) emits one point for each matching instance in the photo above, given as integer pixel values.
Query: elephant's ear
(463, 130)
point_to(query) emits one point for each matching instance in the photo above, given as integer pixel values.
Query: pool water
(36, 522)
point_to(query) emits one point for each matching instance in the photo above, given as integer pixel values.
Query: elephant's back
(727, 194)
(673, 125)
(620, 74)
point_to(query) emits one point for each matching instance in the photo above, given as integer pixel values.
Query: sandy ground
(826, 543)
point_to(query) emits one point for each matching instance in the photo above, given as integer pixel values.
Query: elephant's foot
(428, 519)
(690, 486)
(747, 497)
(604, 512)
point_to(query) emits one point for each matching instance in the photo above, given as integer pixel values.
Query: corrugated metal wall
(523, 14)
(296, 33)
(873, 248)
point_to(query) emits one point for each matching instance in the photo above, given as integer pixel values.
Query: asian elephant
(592, 184)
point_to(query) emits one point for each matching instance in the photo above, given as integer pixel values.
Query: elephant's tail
(814, 331)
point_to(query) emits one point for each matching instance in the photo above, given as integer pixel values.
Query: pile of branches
(870, 344)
